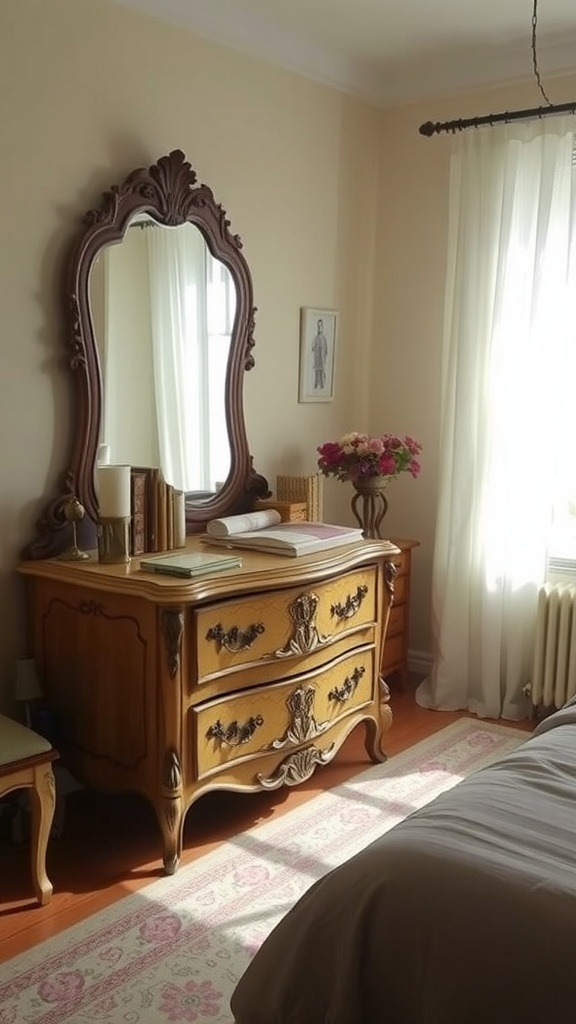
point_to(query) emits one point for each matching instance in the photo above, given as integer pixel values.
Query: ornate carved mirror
(160, 321)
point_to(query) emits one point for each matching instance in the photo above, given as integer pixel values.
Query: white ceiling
(390, 51)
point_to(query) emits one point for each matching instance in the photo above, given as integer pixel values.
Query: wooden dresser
(395, 657)
(246, 680)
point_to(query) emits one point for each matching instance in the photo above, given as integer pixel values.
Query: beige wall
(339, 205)
(89, 91)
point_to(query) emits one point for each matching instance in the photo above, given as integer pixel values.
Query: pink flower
(480, 740)
(60, 987)
(104, 1005)
(252, 874)
(355, 816)
(161, 928)
(357, 456)
(110, 955)
(190, 1002)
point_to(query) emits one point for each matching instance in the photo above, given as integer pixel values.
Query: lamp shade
(27, 683)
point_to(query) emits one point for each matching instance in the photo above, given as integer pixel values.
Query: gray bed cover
(464, 913)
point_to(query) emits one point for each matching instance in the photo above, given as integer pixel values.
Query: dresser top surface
(259, 570)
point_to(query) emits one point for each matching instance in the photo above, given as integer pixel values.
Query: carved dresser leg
(171, 821)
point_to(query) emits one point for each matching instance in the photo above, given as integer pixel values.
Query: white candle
(113, 491)
(103, 455)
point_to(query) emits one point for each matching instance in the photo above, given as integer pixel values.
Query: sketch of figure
(319, 356)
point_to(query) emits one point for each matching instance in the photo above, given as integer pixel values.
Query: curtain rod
(434, 128)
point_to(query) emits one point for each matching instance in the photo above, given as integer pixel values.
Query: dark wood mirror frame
(168, 192)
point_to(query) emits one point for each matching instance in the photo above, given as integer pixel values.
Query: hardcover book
(138, 501)
(190, 565)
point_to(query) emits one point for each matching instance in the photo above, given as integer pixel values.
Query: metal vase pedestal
(370, 504)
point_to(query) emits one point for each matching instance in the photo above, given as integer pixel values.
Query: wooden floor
(110, 846)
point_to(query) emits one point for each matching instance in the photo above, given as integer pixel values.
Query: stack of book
(158, 520)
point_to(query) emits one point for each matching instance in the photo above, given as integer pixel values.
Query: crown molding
(416, 73)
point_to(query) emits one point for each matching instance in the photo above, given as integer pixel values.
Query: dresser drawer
(396, 622)
(279, 716)
(286, 624)
(394, 653)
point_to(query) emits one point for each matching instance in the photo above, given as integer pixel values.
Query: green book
(196, 564)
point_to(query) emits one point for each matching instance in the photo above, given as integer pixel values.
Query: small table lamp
(73, 513)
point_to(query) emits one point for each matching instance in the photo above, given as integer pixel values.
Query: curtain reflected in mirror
(163, 310)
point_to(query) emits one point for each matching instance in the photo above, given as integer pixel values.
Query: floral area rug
(174, 951)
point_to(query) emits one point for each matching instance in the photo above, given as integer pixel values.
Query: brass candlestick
(114, 539)
(73, 513)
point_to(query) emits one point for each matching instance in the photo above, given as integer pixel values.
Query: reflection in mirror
(163, 311)
(139, 381)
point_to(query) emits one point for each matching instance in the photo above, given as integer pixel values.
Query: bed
(465, 913)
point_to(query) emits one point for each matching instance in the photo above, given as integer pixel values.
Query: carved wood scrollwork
(303, 725)
(390, 573)
(171, 810)
(297, 767)
(234, 735)
(351, 605)
(50, 781)
(234, 639)
(172, 630)
(348, 688)
(306, 636)
(172, 773)
(91, 608)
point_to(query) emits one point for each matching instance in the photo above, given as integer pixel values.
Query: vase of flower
(369, 463)
(370, 504)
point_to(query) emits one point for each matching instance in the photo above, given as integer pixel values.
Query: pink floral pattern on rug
(173, 952)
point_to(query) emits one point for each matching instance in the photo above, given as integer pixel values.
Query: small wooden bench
(25, 762)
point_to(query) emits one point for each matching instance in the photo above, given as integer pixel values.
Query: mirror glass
(163, 310)
(159, 332)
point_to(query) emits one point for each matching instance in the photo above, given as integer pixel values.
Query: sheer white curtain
(508, 390)
(177, 272)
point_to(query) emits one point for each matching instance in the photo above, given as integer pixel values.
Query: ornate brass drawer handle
(306, 635)
(235, 639)
(348, 688)
(351, 605)
(303, 725)
(234, 734)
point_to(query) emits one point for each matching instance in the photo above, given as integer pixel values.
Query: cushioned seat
(25, 762)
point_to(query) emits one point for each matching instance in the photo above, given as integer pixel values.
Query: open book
(264, 531)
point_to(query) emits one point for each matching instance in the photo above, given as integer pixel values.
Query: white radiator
(554, 667)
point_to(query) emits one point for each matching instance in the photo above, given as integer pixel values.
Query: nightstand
(395, 655)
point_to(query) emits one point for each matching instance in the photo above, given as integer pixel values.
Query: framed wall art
(318, 330)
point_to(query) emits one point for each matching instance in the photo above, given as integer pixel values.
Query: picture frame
(318, 334)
